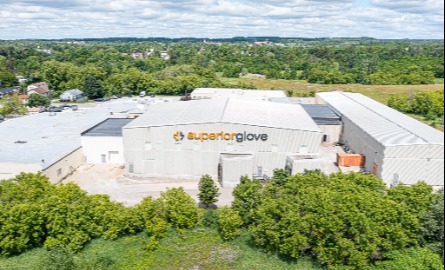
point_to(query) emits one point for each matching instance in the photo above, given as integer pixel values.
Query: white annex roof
(224, 110)
(388, 126)
(45, 139)
(202, 93)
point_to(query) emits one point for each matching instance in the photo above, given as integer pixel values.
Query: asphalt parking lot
(110, 180)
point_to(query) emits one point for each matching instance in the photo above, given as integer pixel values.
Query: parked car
(54, 109)
(186, 98)
(99, 100)
(143, 94)
(74, 107)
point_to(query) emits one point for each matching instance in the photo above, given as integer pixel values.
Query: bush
(433, 225)
(247, 197)
(411, 259)
(181, 210)
(230, 223)
(342, 219)
(210, 219)
(208, 191)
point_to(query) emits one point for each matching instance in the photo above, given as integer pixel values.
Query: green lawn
(381, 93)
(200, 249)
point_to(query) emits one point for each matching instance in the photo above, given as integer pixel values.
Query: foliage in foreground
(344, 222)
(350, 220)
(35, 213)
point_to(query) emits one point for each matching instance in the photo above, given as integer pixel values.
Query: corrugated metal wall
(154, 152)
(411, 164)
(233, 168)
(362, 143)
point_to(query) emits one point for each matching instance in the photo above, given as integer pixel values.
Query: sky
(386, 19)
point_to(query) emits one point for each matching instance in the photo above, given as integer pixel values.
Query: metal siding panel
(436, 173)
(386, 125)
(193, 161)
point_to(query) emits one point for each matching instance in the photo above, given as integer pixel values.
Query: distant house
(21, 80)
(71, 95)
(39, 91)
(142, 55)
(6, 92)
(40, 88)
(165, 55)
(24, 98)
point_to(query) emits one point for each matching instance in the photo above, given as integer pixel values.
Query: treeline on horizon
(237, 39)
(68, 64)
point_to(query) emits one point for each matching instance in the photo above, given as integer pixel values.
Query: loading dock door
(234, 166)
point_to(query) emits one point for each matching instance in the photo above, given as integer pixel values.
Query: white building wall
(99, 150)
(362, 143)
(153, 152)
(64, 167)
(409, 164)
(11, 170)
(333, 133)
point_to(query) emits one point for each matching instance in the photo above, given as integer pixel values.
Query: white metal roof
(50, 138)
(236, 111)
(386, 125)
(238, 93)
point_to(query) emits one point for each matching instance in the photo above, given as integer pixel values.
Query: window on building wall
(130, 167)
(59, 172)
(104, 158)
(325, 138)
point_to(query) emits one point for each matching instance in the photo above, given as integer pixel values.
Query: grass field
(380, 93)
(200, 249)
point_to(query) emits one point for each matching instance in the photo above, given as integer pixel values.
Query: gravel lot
(110, 180)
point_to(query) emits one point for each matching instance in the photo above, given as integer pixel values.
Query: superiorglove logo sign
(221, 136)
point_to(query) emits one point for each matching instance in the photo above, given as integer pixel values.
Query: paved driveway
(110, 180)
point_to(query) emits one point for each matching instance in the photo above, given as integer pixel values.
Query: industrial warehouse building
(51, 142)
(223, 137)
(103, 143)
(397, 148)
(210, 93)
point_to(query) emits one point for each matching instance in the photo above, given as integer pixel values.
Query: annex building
(224, 137)
(51, 142)
(397, 148)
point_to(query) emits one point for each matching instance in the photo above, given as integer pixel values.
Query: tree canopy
(196, 64)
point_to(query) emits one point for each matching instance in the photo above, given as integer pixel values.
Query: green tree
(180, 209)
(12, 105)
(433, 225)
(36, 100)
(230, 223)
(400, 103)
(247, 197)
(92, 88)
(7, 79)
(208, 190)
(410, 259)
(341, 219)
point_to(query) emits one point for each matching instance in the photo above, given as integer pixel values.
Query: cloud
(221, 18)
